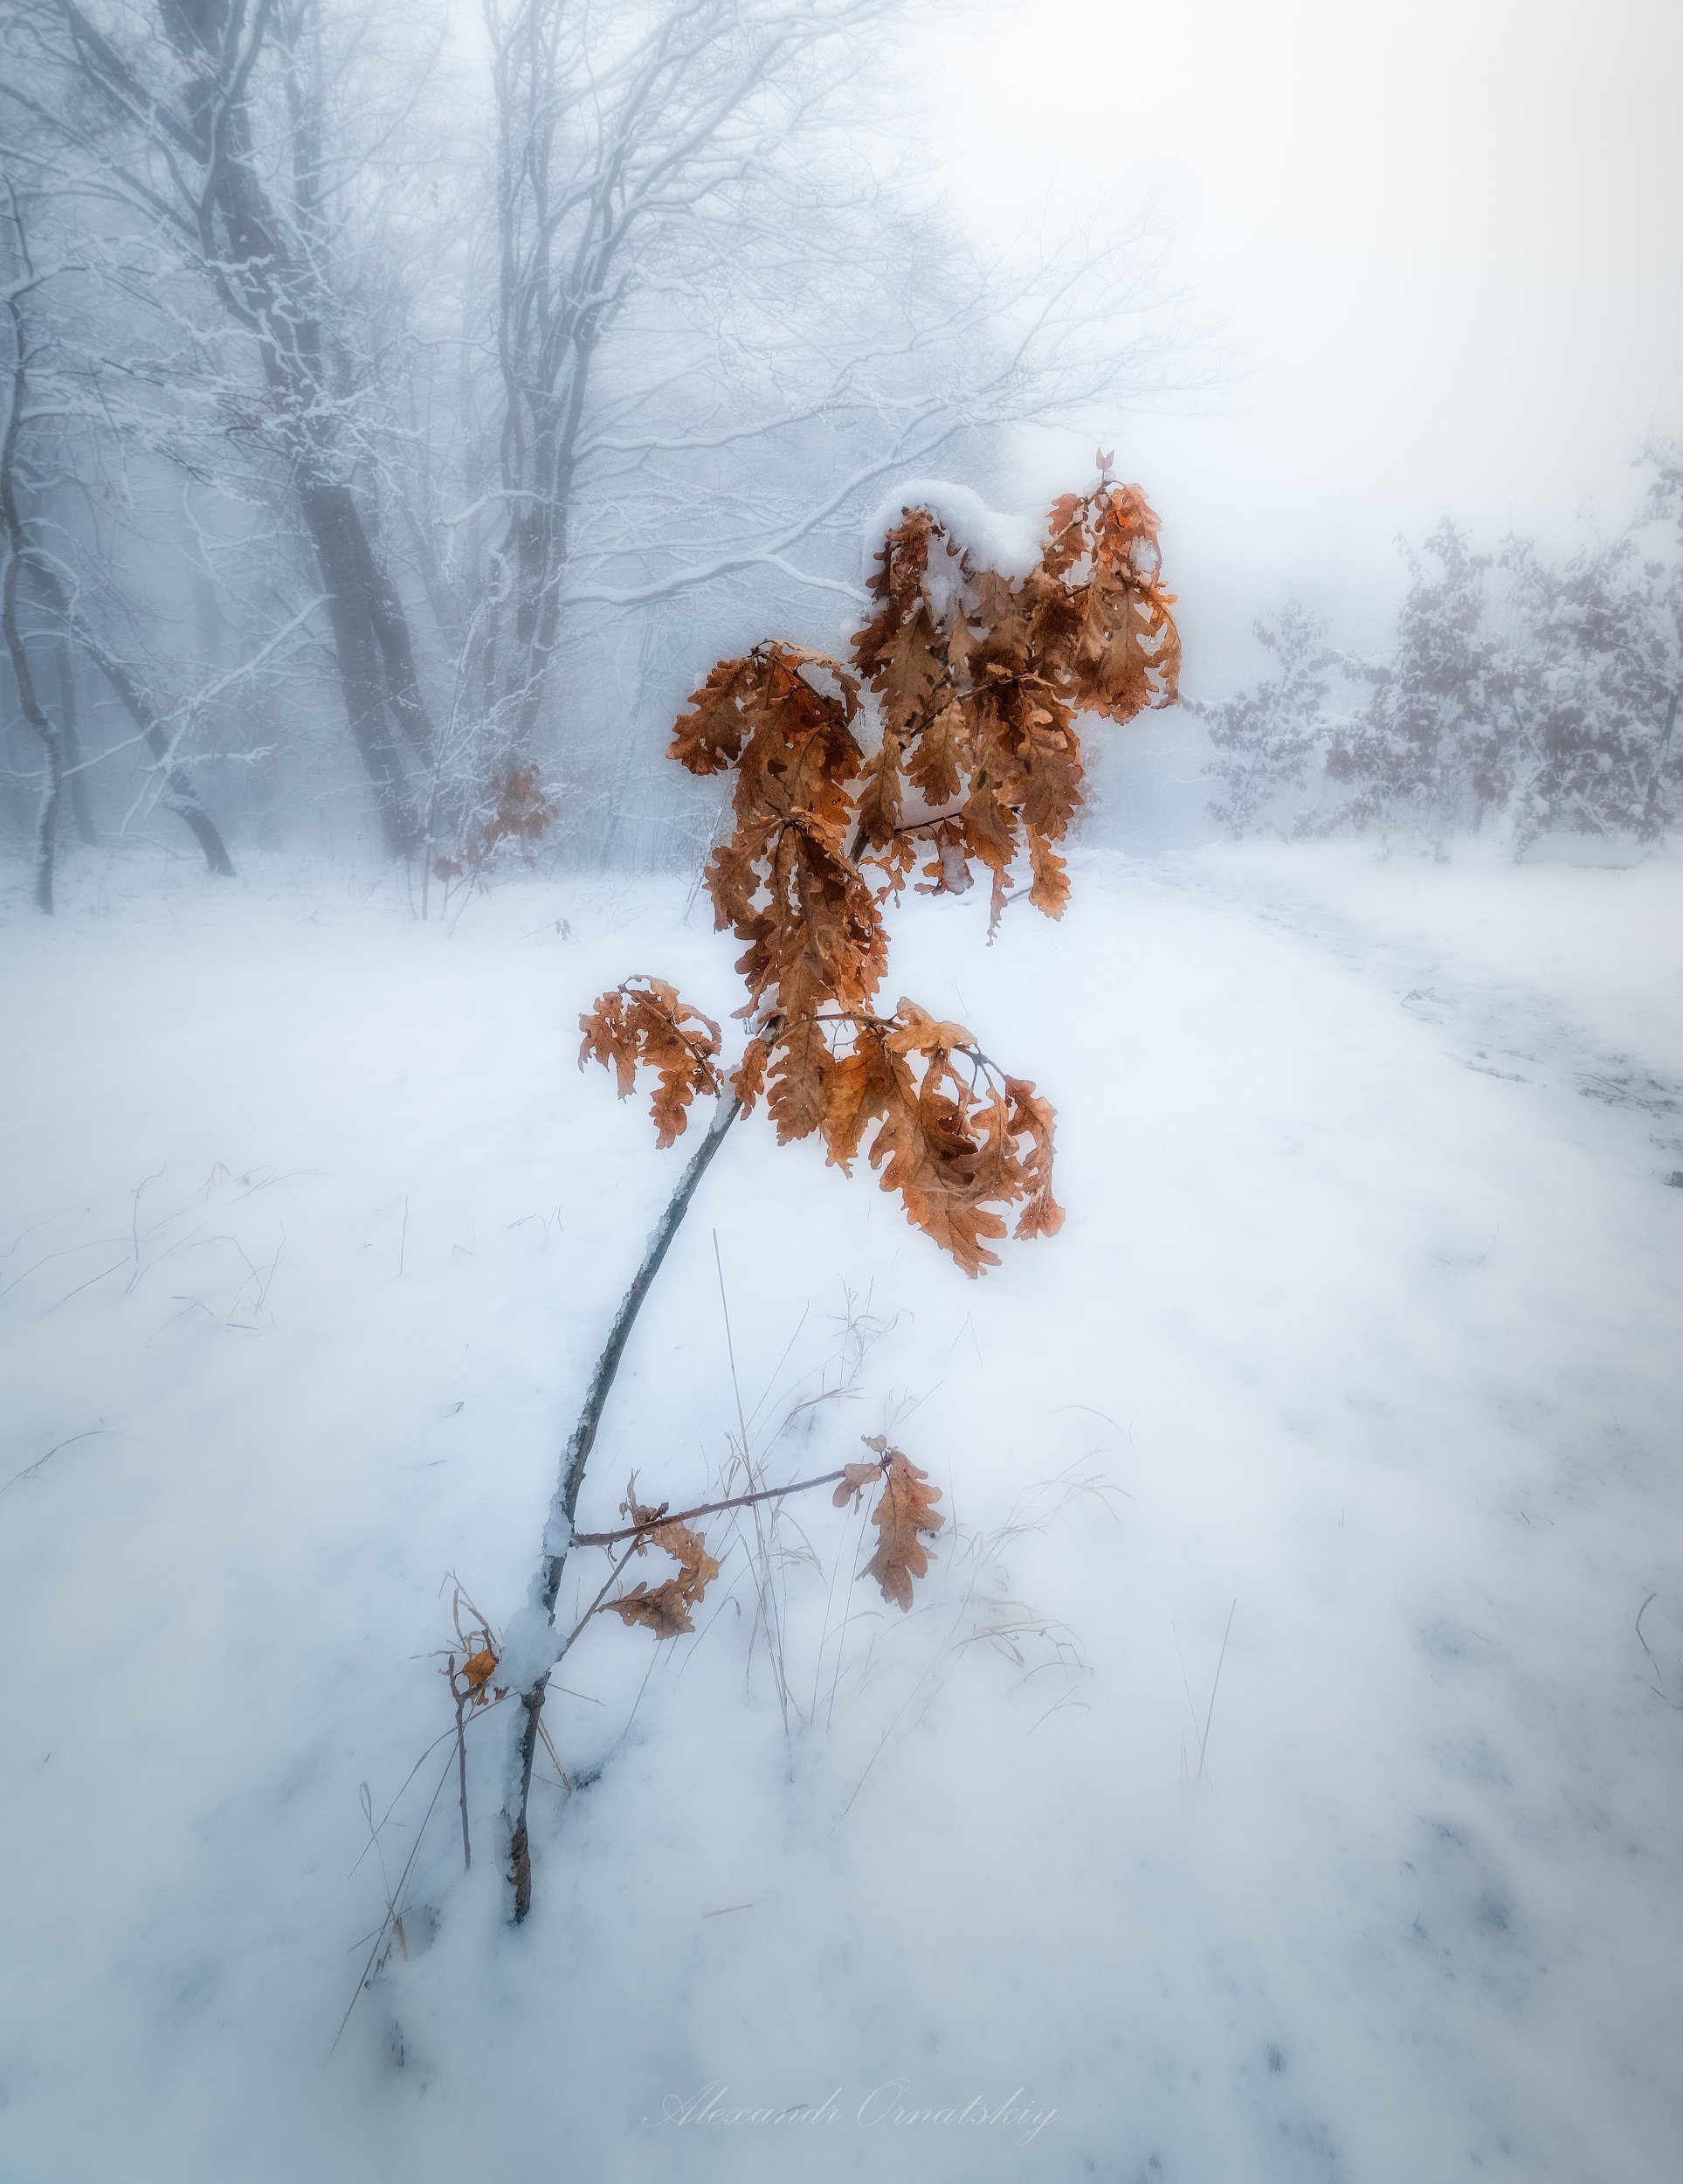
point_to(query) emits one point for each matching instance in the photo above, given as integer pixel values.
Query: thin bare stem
(558, 1535)
(703, 1509)
(1203, 1741)
(578, 1627)
(461, 1762)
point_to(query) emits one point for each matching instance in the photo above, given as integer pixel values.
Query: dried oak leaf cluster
(905, 1517)
(665, 1609)
(979, 680)
(518, 809)
(969, 756)
(642, 1024)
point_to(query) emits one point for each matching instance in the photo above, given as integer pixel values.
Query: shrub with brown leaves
(952, 737)
(976, 681)
(517, 810)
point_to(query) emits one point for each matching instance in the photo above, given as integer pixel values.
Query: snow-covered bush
(1595, 696)
(1270, 742)
(1432, 747)
(1537, 697)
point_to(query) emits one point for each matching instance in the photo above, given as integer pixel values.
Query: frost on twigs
(515, 810)
(976, 678)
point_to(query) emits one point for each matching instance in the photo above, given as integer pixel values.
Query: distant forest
(1521, 696)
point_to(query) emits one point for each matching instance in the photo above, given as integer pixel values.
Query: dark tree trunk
(260, 258)
(342, 557)
(70, 732)
(179, 794)
(18, 559)
(46, 827)
(1657, 770)
(53, 789)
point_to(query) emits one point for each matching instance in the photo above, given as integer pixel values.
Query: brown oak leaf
(905, 1517)
(642, 1023)
(854, 1479)
(665, 1609)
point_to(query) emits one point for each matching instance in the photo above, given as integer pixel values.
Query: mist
(841, 1091)
(1436, 246)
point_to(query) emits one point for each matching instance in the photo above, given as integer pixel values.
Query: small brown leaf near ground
(476, 1672)
(663, 1609)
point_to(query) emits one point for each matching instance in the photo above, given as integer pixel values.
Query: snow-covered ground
(1276, 1784)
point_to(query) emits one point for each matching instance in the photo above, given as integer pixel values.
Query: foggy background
(403, 404)
(1425, 260)
(1436, 248)
(1320, 277)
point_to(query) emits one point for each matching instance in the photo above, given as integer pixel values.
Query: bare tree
(18, 560)
(46, 623)
(718, 330)
(618, 334)
(179, 146)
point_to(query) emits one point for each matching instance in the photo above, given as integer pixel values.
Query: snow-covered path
(313, 1230)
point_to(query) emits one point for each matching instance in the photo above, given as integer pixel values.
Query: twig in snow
(1675, 1703)
(30, 1469)
(134, 1226)
(583, 1439)
(1204, 1742)
(702, 1509)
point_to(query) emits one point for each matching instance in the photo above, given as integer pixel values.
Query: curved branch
(558, 1531)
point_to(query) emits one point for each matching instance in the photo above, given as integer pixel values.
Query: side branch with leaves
(948, 749)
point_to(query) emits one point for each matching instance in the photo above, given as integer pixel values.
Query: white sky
(1443, 244)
